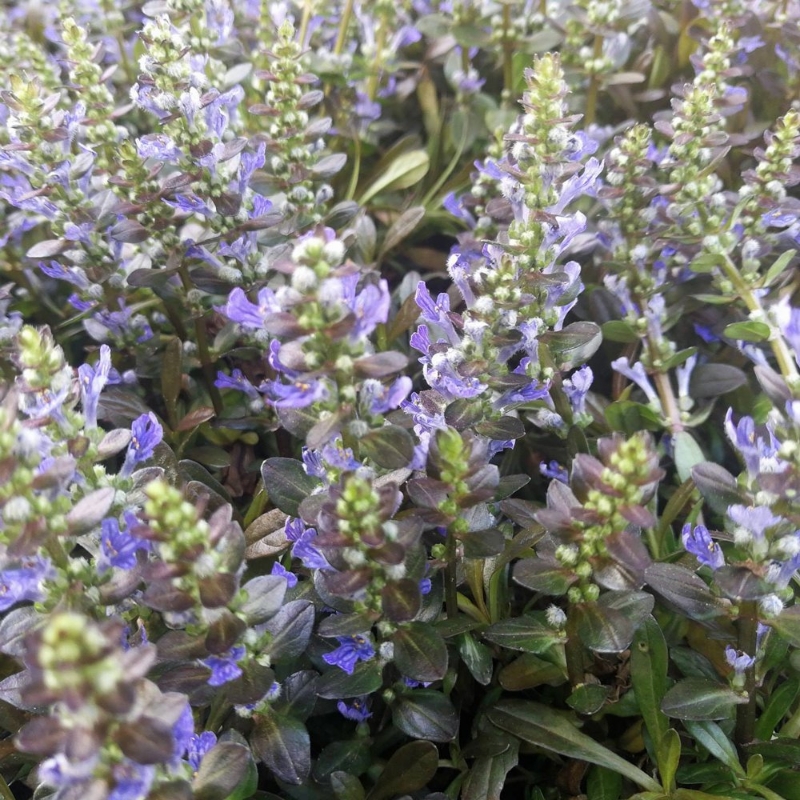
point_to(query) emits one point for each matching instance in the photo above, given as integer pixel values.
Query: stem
(474, 569)
(450, 577)
(203, 349)
(301, 36)
(594, 83)
(573, 650)
(668, 401)
(375, 76)
(344, 23)
(219, 709)
(784, 358)
(792, 727)
(448, 170)
(508, 52)
(746, 713)
(351, 189)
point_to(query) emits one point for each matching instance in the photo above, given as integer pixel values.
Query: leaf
(291, 630)
(649, 663)
(336, 684)
(403, 172)
(589, 698)
(426, 714)
(604, 630)
(687, 454)
(221, 770)
(420, 652)
(90, 510)
(603, 784)
(717, 485)
(350, 756)
(713, 738)
(750, 331)
(787, 623)
(573, 345)
(617, 330)
(48, 249)
(713, 380)
(700, 699)
(401, 228)
(287, 483)
(283, 744)
(171, 374)
(541, 576)
(346, 786)
(529, 671)
(523, 633)
(401, 600)
(487, 776)
(409, 769)
(477, 657)
(780, 701)
(545, 728)
(669, 756)
(390, 447)
(265, 595)
(684, 590)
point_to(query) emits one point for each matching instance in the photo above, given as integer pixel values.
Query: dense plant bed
(399, 400)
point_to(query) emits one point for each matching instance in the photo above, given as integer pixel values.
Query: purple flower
(438, 312)
(280, 570)
(754, 449)
(371, 308)
(554, 471)
(159, 146)
(379, 399)
(294, 395)
(132, 781)
(356, 710)
(25, 582)
(119, 548)
(739, 660)
(699, 543)
(236, 380)
(305, 550)
(224, 669)
(74, 275)
(577, 387)
(92, 381)
(198, 746)
(755, 519)
(146, 433)
(351, 650)
(637, 375)
(525, 394)
(190, 204)
(249, 315)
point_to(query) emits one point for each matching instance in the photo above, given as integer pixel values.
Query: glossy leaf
(523, 633)
(287, 483)
(221, 770)
(283, 745)
(426, 714)
(700, 699)
(420, 652)
(409, 769)
(487, 775)
(649, 663)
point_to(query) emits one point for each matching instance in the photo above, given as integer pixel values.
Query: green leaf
(778, 266)
(403, 172)
(390, 447)
(589, 698)
(426, 714)
(573, 345)
(420, 652)
(350, 756)
(545, 728)
(523, 633)
(750, 331)
(617, 330)
(604, 630)
(669, 757)
(221, 771)
(287, 483)
(487, 777)
(171, 373)
(712, 737)
(346, 786)
(700, 699)
(408, 770)
(787, 623)
(629, 417)
(477, 657)
(529, 671)
(687, 454)
(283, 744)
(603, 784)
(401, 228)
(336, 684)
(649, 662)
(780, 701)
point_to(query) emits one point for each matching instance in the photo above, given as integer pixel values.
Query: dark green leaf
(603, 784)
(287, 483)
(346, 786)
(713, 380)
(487, 776)
(420, 652)
(573, 345)
(687, 454)
(264, 597)
(426, 714)
(283, 744)
(482, 544)
(171, 374)
(336, 684)
(352, 756)
(541, 726)
(402, 227)
(221, 770)
(649, 662)
(541, 576)
(604, 630)
(713, 738)
(717, 485)
(529, 671)
(700, 699)
(787, 623)
(629, 417)
(684, 590)
(617, 330)
(780, 701)
(291, 630)
(401, 600)
(390, 447)
(409, 769)
(523, 633)
(477, 657)
(589, 698)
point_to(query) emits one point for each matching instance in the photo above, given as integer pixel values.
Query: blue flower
(146, 433)
(307, 553)
(92, 381)
(236, 380)
(637, 375)
(577, 387)
(281, 571)
(554, 471)
(198, 746)
(224, 669)
(294, 395)
(119, 548)
(755, 519)
(739, 660)
(350, 651)
(356, 710)
(25, 583)
(699, 543)
(249, 315)
(132, 781)
(379, 399)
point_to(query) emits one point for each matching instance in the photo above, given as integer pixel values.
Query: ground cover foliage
(399, 400)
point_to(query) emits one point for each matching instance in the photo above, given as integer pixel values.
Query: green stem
(5, 792)
(746, 713)
(594, 83)
(508, 52)
(354, 173)
(448, 170)
(668, 402)
(307, 9)
(450, 576)
(218, 711)
(203, 349)
(573, 650)
(344, 23)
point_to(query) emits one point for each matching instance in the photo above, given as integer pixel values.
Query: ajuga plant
(399, 400)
